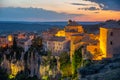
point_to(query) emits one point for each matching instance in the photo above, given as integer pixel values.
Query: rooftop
(113, 25)
(60, 39)
(79, 34)
(72, 23)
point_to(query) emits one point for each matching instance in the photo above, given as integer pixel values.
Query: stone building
(110, 40)
(75, 43)
(58, 45)
(72, 28)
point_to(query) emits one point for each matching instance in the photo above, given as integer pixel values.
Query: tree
(64, 59)
(37, 46)
(76, 61)
(14, 44)
(53, 63)
(37, 42)
(35, 49)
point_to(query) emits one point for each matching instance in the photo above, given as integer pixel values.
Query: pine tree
(14, 44)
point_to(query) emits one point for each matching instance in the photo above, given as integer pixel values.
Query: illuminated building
(75, 43)
(21, 36)
(46, 35)
(6, 40)
(110, 40)
(58, 45)
(103, 41)
(74, 32)
(95, 52)
(72, 28)
(3, 41)
(60, 33)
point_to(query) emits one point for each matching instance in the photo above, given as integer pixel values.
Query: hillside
(107, 69)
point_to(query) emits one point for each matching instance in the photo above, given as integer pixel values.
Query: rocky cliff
(107, 69)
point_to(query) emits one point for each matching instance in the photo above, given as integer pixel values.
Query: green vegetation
(46, 59)
(14, 44)
(64, 59)
(45, 78)
(87, 62)
(76, 62)
(37, 46)
(65, 64)
(53, 63)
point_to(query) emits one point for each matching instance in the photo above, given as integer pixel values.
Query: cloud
(108, 4)
(89, 8)
(35, 14)
(80, 4)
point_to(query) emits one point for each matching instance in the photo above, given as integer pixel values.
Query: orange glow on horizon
(99, 16)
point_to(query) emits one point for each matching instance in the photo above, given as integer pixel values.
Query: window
(111, 43)
(111, 34)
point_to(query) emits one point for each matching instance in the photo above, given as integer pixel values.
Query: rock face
(107, 69)
(14, 66)
(33, 64)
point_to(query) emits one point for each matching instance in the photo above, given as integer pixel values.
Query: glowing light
(60, 33)
(10, 38)
(15, 68)
(11, 76)
(103, 41)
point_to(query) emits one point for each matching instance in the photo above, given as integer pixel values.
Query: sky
(59, 10)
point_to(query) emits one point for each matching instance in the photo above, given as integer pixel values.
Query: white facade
(58, 45)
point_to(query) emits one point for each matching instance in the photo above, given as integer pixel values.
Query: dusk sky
(59, 10)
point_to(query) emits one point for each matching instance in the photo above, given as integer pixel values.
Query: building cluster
(93, 46)
(24, 39)
(73, 36)
(6, 40)
(15, 62)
